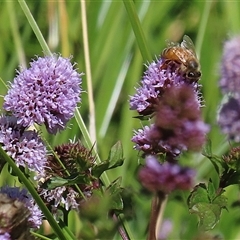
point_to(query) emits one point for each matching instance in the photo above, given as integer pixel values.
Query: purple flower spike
(178, 120)
(165, 177)
(230, 66)
(46, 93)
(178, 126)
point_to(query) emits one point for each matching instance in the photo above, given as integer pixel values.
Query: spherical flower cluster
(25, 147)
(46, 93)
(13, 198)
(165, 177)
(230, 66)
(178, 125)
(155, 81)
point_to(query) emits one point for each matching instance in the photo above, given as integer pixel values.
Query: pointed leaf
(98, 169)
(114, 190)
(71, 180)
(211, 190)
(115, 156)
(115, 159)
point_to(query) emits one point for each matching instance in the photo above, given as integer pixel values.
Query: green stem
(89, 143)
(35, 195)
(138, 31)
(202, 27)
(35, 27)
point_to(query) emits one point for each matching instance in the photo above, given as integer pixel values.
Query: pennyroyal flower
(165, 177)
(178, 126)
(46, 93)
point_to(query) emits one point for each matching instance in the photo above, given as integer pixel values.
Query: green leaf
(114, 189)
(207, 204)
(215, 160)
(71, 180)
(115, 156)
(115, 159)
(208, 214)
(199, 194)
(98, 169)
(221, 201)
(211, 190)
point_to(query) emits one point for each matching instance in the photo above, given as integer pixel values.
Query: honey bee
(185, 55)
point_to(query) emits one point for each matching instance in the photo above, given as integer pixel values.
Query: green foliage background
(117, 67)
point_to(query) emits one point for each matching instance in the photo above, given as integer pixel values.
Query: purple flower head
(178, 126)
(230, 66)
(157, 78)
(229, 116)
(46, 93)
(25, 147)
(165, 177)
(20, 198)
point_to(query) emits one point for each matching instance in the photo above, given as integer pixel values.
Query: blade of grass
(89, 144)
(35, 27)
(202, 27)
(92, 124)
(136, 26)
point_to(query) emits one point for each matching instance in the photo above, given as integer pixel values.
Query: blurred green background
(116, 67)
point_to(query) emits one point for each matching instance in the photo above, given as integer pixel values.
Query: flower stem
(89, 143)
(157, 209)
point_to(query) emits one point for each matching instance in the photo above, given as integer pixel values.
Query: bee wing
(171, 43)
(188, 44)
